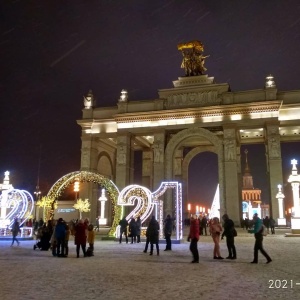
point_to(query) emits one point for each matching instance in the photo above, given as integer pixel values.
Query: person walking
(15, 229)
(153, 230)
(215, 231)
(168, 227)
(229, 233)
(258, 234)
(123, 229)
(193, 238)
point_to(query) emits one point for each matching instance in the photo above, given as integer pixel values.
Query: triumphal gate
(194, 116)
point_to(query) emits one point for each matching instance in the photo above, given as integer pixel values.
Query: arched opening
(202, 182)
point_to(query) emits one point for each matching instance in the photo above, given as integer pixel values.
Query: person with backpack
(258, 234)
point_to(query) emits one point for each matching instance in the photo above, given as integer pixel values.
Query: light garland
(86, 176)
(20, 203)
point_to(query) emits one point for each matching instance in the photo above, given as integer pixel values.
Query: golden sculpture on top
(193, 59)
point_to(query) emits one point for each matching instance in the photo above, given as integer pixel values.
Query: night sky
(53, 52)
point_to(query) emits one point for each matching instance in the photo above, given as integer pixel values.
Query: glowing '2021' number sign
(146, 201)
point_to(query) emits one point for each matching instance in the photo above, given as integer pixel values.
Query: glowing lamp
(270, 83)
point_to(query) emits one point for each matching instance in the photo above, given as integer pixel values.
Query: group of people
(269, 222)
(56, 234)
(152, 232)
(228, 230)
(131, 229)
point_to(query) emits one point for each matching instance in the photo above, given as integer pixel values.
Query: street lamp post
(294, 180)
(281, 221)
(76, 188)
(189, 210)
(37, 198)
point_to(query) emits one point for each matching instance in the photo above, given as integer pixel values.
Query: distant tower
(251, 196)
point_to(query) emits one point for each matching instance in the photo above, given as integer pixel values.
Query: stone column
(232, 203)
(89, 154)
(274, 165)
(147, 169)
(123, 161)
(281, 221)
(158, 148)
(158, 159)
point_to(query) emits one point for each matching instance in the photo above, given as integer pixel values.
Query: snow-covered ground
(123, 271)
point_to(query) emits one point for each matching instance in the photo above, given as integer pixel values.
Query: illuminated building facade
(198, 114)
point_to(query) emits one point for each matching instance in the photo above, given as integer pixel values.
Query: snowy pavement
(125, 272)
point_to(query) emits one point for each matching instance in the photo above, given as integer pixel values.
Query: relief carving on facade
(193, 99)
(85, 157)
(158, 150)
(230, 151)
(121, 155)
(274, 147)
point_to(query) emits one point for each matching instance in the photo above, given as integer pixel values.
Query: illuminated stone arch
(107, 167)
(86, 176)
(216, 147)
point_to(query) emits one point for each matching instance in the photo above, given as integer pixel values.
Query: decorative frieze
(193, 99)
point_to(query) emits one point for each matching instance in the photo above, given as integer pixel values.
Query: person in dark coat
(204, 225)
(60, 234)
(133, 230)
(153, 232)
(228, 232)
(194, 238)
(272, 225)
(15, 230)
(80, 237)
(123, 229)
(138, 229)
(168, 227)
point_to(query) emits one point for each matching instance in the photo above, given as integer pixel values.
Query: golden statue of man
(193, 59)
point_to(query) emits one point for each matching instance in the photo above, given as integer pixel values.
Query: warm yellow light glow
(235, 117)
(212, 119)
(158, 123)
(189, 207)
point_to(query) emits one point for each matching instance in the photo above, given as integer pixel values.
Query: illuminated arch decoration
(147, 202)
(18, 204)
(86, 176)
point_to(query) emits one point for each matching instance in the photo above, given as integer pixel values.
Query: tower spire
(247, 178)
